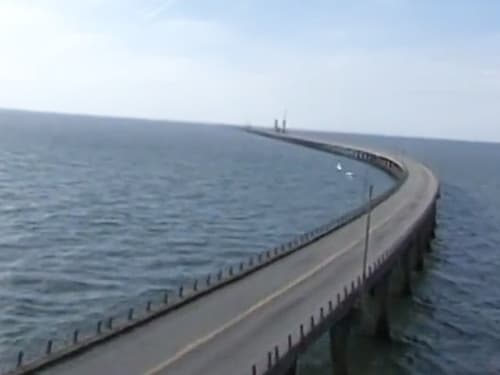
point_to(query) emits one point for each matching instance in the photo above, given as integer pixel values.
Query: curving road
(231, 329)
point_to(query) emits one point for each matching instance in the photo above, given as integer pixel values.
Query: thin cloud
(157, 11)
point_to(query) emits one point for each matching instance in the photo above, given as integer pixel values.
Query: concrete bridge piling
(371, 311)
(339, 342)
(365, 306)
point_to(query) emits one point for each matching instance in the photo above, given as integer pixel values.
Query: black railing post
(75, 337)
(48, 349)
(20, 356)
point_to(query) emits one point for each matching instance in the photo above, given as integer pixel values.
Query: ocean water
(101, 214)
(98, 215)
(451, 325)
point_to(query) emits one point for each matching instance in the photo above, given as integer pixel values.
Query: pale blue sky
(409, 67)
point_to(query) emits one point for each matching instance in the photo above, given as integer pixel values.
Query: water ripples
(113, 214)
(110, 217)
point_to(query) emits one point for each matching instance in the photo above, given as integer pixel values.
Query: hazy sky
(410, 67)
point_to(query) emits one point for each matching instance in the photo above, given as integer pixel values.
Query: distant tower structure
(283, 128)
(276, 126)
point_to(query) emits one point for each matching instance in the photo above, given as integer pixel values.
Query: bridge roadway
(231, 329)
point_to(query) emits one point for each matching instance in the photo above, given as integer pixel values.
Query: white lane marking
(192, 346)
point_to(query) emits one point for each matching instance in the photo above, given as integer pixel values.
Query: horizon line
(243, 124)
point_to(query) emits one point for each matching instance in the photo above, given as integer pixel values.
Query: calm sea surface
(98, 215)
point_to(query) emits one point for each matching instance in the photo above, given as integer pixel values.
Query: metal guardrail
(282, 355)
(114, 326)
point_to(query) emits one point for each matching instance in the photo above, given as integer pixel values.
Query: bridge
(259, 316)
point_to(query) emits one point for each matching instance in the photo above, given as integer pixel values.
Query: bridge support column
(375, 310)
(418, 248)
(428, 234)
(433, 221)
(406, 289)
(339, 337)
(429, 227)
(292, 370)
(382, 329)
(427, 240)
